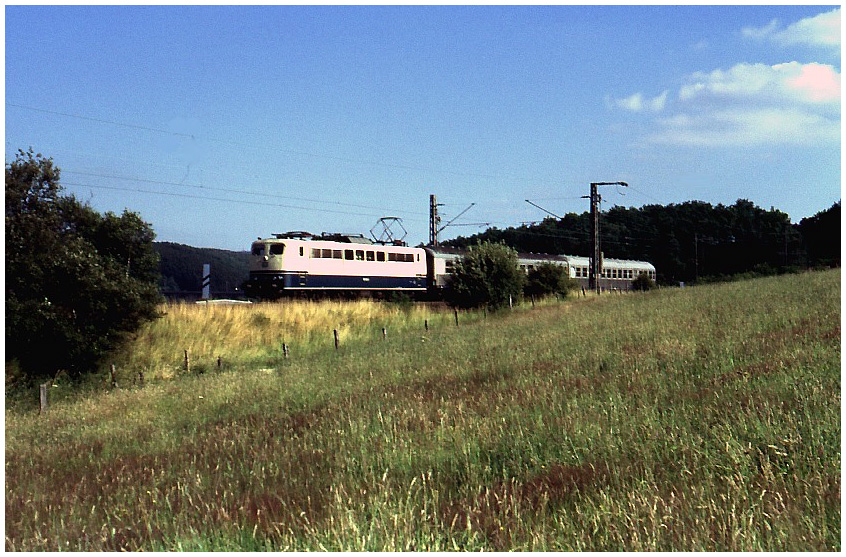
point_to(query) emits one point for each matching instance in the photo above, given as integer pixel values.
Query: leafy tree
(77, 282)
(547, 279)
(487, 276)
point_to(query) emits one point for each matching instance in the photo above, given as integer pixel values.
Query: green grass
(706, 418)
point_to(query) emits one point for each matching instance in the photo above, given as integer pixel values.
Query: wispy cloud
(747, 127)
(822, 30)
(639, 103)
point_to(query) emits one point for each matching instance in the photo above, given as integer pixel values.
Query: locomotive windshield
(271, 249)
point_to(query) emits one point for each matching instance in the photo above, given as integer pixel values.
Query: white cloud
(782, 83)
(637, 103)
(822, 30)
(756, 104)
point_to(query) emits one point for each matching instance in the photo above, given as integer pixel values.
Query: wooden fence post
(187, 362)
(42, 393)
(219, 364)
(335, 332)
(384, 333)
(285, 350)
(112, 376)
(456, 317)
(426, 324)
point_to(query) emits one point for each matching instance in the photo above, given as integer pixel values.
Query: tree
(77, 282)
(547, 279)
(821, 235)
(487, 276)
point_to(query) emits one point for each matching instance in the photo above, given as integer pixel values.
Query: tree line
(687, 242)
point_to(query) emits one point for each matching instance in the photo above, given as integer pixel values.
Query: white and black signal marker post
(206, 281)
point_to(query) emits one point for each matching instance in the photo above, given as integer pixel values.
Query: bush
(547, 279)
(77, 282)
(643, 283)
(487, 276)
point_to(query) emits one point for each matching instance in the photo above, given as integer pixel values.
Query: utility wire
(206, 198)
(100, 120)
(280, 150)
(230, 190)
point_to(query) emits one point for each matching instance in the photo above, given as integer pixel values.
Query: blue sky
(222, 124)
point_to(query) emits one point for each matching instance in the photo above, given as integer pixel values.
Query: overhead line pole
(596, 254)
(434, 220)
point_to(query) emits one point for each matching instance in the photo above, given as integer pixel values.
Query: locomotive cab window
(277, 249)
(258, 249)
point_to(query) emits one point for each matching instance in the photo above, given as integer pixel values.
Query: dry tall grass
(245, 333)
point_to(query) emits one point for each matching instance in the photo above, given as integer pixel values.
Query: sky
(221, 124)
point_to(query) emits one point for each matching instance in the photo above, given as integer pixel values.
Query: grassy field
(704, 418)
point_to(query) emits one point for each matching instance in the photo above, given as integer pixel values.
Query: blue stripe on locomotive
(301, 281)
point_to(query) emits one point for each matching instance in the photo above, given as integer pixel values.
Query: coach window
(337, 254)
(315, 253)
(392, 257)
(277, 249)
(371, 256)
(359, 255)
(348, 254)
(327, 253)
(380, 256)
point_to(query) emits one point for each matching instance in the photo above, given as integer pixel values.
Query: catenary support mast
(596, 253)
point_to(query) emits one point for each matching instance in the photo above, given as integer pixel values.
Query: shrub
(487, 276)
(547, 279)
(643, 283)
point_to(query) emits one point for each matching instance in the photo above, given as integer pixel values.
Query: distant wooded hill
(689, 241)
(182, 268)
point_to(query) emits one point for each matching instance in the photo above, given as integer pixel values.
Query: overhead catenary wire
(196, 137)
(207, 198)
(232, 190)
